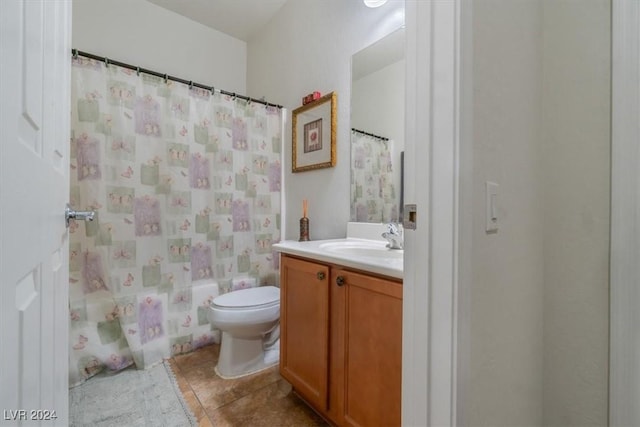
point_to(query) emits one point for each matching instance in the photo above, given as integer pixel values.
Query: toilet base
(241, 356)
(272, 354)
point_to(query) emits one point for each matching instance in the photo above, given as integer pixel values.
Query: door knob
(340, 280)
(70, 214)
(320, 275)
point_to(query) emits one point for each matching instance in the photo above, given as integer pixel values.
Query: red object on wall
(311, 97)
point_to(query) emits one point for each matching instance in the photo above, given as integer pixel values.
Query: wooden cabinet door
(373, 350)
(304, 320)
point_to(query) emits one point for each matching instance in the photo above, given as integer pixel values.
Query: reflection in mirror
(377, 136)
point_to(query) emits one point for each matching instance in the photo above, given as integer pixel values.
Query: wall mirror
(377, 129)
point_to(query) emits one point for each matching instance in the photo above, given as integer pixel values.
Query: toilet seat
(260, 297)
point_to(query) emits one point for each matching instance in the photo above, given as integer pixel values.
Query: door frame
(437, 280)
(624, 371)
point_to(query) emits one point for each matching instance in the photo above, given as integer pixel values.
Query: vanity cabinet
(341, 341)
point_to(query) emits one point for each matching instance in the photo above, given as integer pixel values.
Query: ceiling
(238, 18)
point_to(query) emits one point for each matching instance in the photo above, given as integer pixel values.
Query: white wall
(143, 34)
(539, 304)
(506, 363)
(307, 47)
(576, 164)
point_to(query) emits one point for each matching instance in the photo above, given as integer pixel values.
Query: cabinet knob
(340, 280)
(320, 275)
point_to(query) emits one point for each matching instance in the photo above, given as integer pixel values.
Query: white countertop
(392, 267)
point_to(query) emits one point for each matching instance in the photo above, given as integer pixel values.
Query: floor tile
(194, 404)
(204, 355)
(205, 422)
(272, 405)
(261, 399)
(251, 383)
(183, 384)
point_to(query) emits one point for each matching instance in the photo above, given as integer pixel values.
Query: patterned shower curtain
(186, 189)
(374, 196)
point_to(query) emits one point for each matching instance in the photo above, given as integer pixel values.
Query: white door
(34, 187)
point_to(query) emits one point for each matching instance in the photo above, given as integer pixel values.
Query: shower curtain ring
(166, 78)
(106, 62)
(75, 53)
(138, 71)
(190, 84)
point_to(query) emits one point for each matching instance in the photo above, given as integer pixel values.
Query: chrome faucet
(393, 236)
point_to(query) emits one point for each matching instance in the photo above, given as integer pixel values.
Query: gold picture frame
(314, 134)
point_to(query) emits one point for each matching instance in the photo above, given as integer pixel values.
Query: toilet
(249, 322)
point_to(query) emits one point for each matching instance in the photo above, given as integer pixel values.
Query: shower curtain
(186, 189)
(374, 196)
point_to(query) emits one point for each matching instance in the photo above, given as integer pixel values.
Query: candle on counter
(304, 222)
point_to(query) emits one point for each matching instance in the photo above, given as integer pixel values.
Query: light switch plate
(491, 203)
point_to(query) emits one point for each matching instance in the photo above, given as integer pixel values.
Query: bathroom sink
(353, 252)
(362, 249)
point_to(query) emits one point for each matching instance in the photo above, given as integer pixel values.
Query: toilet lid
(262, 295)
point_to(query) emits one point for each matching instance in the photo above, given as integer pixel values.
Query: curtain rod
(137, 69)
(369, 134)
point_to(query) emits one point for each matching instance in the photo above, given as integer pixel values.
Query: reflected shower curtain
(374, 196)
(186, 188)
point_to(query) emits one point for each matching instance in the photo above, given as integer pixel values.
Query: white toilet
(248, 319)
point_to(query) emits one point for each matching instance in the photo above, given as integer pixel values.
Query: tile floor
(262, 399)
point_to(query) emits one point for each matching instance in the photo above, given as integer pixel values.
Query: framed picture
(314, 134)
